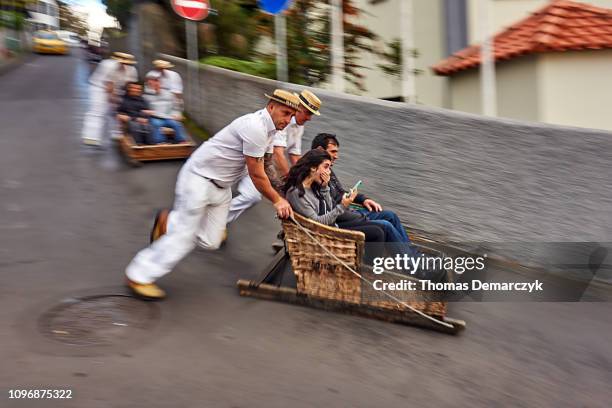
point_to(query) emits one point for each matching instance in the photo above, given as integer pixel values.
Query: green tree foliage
(236, 27)
(13, 13)
(12, 19)
(309, 41)
(120, 9)
(392, 58)
(264, 69)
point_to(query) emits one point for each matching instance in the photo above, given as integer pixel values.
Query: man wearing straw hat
(106, 86)
(288, 141)
(169, 80)
(203, 192)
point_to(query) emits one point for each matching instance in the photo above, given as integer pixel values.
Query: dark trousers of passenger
(140, 132)
(374, 234)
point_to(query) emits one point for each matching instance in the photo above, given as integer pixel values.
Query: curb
(14, 63)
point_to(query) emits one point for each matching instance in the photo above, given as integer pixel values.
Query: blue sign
(274, 6)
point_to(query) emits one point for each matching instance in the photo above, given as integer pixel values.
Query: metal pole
(337, 48)
(280, 31)
(408, 62)
(191, 32)
(487, 62)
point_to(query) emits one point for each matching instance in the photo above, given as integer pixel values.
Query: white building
(44, 15)
(439, 28)
(552, 66)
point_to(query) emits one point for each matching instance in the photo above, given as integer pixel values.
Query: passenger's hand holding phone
(349, 198)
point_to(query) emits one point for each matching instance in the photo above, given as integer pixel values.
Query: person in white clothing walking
(287, 141)
(203, 192)
(106, 86)
(168, 79)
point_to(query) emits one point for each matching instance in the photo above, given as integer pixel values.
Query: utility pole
(487, 61)
(407, 51)
(280, 32)
(337, 46)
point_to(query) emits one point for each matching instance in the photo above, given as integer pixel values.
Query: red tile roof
(560, 26)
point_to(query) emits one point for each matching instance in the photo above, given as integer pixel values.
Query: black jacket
(133, 106)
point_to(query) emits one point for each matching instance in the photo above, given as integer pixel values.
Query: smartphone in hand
(355, 188)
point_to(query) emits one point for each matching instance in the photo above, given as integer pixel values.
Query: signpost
(277, 7)
(192, 11)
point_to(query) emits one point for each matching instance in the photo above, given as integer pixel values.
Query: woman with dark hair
(307, 191)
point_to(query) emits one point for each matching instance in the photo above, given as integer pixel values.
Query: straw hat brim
(164, 66)
(125, 61)
(286, 103)
(314, 111)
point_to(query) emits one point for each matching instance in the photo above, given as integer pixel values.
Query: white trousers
(199, 217)
(100, 112)
(247, 197)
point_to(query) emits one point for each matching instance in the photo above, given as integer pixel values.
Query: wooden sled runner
(323, 280)
(136, 154)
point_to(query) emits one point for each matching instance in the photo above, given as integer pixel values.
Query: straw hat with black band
(161, 64)
(124, 58)
(310, 101)
(285, 97)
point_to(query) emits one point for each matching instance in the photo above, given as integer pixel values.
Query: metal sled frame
(269, 286)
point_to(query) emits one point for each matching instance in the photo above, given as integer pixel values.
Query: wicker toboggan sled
(324, 280)
(136, 154)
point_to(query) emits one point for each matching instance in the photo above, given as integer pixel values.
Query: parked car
(70, 38)
(48, 42)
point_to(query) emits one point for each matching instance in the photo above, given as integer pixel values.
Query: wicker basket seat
(320, 275)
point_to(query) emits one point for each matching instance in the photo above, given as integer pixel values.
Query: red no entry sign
(191, 9)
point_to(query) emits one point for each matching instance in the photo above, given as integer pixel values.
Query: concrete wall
(576, 88)
(464, 177)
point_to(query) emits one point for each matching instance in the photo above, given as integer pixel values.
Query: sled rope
(433, 319)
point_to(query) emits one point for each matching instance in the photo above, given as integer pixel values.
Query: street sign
(274, 6)
(194, 10)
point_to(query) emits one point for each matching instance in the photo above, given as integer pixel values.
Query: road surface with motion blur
(72, 217)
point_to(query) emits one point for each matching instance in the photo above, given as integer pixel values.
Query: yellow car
(48, 42)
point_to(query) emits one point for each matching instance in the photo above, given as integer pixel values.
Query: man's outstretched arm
(280, 160)
(258, 175)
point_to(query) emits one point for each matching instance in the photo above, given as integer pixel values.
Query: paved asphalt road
(71, 219)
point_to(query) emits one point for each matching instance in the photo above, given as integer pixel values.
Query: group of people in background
(118, 99)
